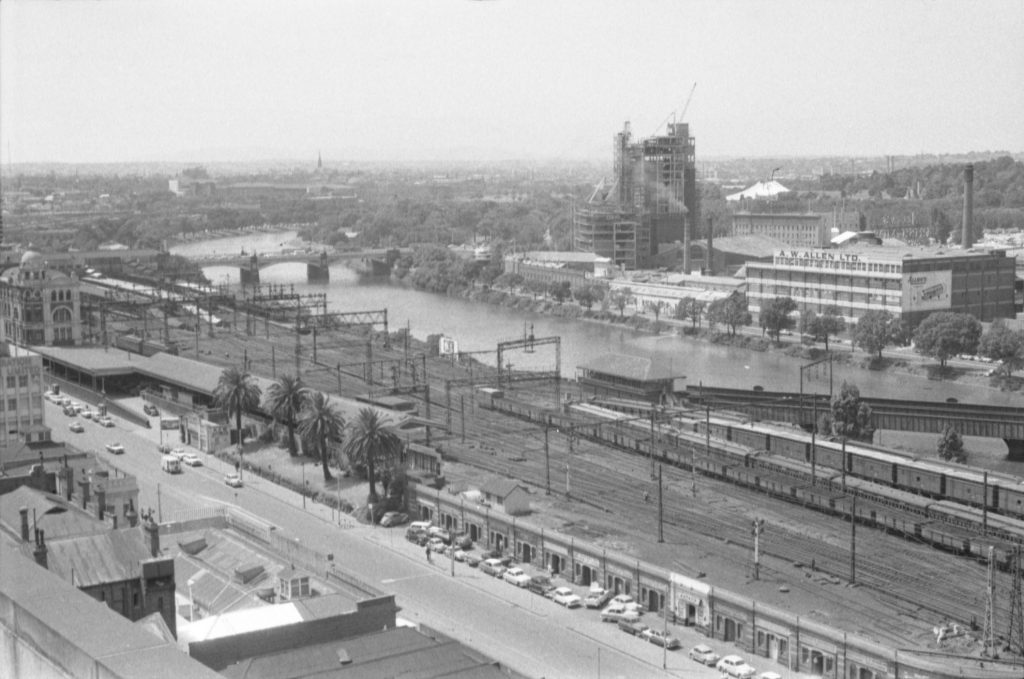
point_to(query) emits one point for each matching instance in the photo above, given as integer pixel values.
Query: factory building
(908, 282)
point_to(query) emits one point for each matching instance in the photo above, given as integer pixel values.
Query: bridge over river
(372, 261)
(970, 419)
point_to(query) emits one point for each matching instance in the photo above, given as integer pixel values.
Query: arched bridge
(970, 419)
(317, 261)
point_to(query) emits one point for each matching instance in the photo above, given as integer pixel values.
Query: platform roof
(640, 368)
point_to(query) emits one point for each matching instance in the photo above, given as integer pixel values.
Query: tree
(775, 316)
(621, 298)
(730, 311)
(851, 417)
(874, 332)
(586, 295)
(319, 423)
(689, 307)
(371, 443)
(657, 308)
(821, 327)
(945, 334)
(559, 290)
(1002, 344)
(951, 445)
(237, 392)
(284, 400)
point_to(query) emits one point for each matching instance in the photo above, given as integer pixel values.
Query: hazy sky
(135, 80)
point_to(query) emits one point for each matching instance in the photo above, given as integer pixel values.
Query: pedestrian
(429, 558)
(647, 496)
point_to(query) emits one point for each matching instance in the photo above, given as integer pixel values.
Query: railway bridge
(317, 263)
(970, 419)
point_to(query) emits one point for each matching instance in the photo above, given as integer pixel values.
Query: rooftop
(640, 368)
(111, 556)
(51, 513)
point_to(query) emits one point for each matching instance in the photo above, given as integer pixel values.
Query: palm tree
(318, 423)
(370, 442)
(237, 392)
(284, 400)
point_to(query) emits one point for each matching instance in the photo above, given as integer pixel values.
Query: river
(479, 327)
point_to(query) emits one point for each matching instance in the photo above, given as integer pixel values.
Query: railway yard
(920, 560)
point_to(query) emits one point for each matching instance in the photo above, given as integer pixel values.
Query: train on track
(937, 504)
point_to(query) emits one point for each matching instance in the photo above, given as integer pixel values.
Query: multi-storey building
(806, 230)
(21, 396)
(908, 282)
(652, 202)
(39, 305)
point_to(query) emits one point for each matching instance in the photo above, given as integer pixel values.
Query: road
(518, 628)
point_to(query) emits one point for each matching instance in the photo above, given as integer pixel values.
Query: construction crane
(682, 115)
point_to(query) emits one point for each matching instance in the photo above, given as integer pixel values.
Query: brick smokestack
(39, 553)
(711, 247)
(24, 523)
(101, 501)
(968, 225)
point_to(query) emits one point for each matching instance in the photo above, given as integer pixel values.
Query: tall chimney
(153, 529)
(711, 247)
(101, 501)
(687, 228)
(131, 514)
(24, 523)
(965, 235)
(40, 551)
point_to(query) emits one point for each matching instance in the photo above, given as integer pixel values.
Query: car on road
(115, 448)
(769, 675)
(596, 597)
(179, 453)
(192, 460)
(566, 597)
(76, 427)
(86, 413)
(151, 409)
(49, 395)
(660, 638)
(233, 480)
(105, 422)
(703, 654)
(618, 612)
(735, 666)
(393, 519)
(69, 411)
(516, 576)
(626, 600)
(541, 584)
(492, 567)
(632, 627)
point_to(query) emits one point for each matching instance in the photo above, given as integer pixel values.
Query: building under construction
(652, 201)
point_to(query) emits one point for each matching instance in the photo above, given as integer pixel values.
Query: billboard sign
(927, 290)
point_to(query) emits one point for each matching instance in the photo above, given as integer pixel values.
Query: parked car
(505, 559)
(626, 599)
(69, 411)
(440, 533)
(49, 395)
(492, 567)
(435, 544)
(77, 407)
(106, 422)
(463, 541)
(115, 448)
(151, 409)
(616, 612)
(769, 675)
(660, 638)
(541, 584)
(735, 666)
(472, 560)
(393, 519)
(179, 453)
(632, 627)
(596, 597)
(86, 413)
(516, 576)
(703, 654)
(233, 480)
(76, 427)
(566, 597)
(192, 460)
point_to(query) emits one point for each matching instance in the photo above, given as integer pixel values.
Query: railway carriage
(919, 479)
(1011, 498)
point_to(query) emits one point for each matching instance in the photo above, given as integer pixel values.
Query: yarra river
(479, 327)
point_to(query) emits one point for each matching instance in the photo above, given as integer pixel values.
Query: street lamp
(191, 602)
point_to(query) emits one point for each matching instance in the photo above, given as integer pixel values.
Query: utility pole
(462, 416)
(853, 541)
(988, 634)
(298, 346)
(273, 361)
(547, 463)
(814, 431)
(653, 475)
(661, 510)
(757, 530)
(1015, 635)
(568, 461)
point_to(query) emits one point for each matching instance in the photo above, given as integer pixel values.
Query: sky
(203, 80)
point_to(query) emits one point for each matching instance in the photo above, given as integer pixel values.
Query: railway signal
(756, 531)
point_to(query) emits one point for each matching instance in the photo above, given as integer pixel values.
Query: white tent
(759, 190)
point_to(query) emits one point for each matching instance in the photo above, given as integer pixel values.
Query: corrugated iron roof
(500, 487)
(112, 556)
(640, 368)
(51, 513)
